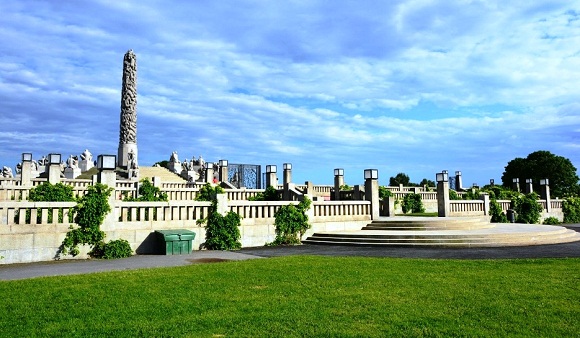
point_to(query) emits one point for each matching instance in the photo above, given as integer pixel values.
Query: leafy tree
(401, 178)
(164, 164)
(412, 203)
(427, 182)
(148, 193)
(571, 209)
(543, 164)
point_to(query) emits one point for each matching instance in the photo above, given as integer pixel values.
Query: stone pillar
(442, 196)
(156, 181)
(485, 198)
(209, 174)
(223, 171)
(545, 193)
(26, 174)
(338, 182)
(128, 124)
(222, 204)
(372, 194)
(309, 188)
(287, 180)
(54, 169)
(458, 181)
(516, 184)
(529, 186)
(388, 206)
(358, 193)
(271, 178)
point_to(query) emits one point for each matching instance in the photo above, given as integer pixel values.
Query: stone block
(72, 173)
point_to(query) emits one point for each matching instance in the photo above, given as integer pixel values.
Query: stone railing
(467, 208)
(19, 214)
(153, 212)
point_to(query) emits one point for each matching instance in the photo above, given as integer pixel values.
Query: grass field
(304, 296)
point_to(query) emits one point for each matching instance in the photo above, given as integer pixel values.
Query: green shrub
(221, 232)
(270, 194)
(551, 221)
(384, 193)
(453, 195)
(48, 192)
(209, 192)
(496, 212)
(345, 187)
(291, 222)
(119, 248)
(412, 203)
(527, 208)
(571, 209)
(147, 193)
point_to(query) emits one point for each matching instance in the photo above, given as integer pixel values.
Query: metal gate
(245, 175)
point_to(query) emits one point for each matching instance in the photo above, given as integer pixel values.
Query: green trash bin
(176, 241)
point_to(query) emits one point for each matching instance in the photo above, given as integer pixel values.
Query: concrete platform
(446, 232)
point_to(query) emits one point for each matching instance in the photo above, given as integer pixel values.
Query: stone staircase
(163, 173)
(446, 232)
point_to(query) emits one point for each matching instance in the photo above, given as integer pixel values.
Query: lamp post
(529, 185)
(338, 182)
(545, 193)
(209, 172)
(442, 179)
(106, 165)
(223, 170)
(372, 191)
(271, 178)
(516, 184)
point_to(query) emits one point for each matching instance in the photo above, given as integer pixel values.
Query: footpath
(70, 267)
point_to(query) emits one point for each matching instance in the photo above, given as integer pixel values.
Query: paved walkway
(70, 267)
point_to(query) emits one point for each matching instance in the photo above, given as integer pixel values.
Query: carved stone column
(128, 124)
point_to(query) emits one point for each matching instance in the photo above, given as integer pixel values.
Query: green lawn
(304, 296)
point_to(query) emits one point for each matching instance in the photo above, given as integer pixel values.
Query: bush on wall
(412, 203)
(291, 222)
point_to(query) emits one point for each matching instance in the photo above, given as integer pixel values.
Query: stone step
(503, 235)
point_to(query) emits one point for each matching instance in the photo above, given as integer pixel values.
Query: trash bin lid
(176, 234)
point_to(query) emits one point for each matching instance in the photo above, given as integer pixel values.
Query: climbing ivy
(291, 222)
(496, 212)
(221, 232)
(89, 215)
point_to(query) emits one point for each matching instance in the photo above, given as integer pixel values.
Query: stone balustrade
(467, 208)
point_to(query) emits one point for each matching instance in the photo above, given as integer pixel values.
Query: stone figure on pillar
(43, 161)
(87, 156)
(7, 172)
(18, 168)
(72, 162)
(128, 123)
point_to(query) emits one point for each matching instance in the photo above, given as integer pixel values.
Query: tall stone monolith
(128, 125)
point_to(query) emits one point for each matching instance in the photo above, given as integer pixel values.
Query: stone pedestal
(443, 199)
(458, 183)
(174, 167)
(190, 175)
(85, 165)
(372, 195)
(107, 177)
(72, 173)
(545, 195)
(123, 154)
(388, 206)
(529, 187)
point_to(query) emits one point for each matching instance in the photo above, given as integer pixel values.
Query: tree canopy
(543, 164)
(402, 178)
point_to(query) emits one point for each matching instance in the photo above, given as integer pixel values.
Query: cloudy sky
(401, 86)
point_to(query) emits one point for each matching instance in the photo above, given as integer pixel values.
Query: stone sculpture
(72, 162)
(128, 123)
(7, 172)
(43, 161)
(87, 156)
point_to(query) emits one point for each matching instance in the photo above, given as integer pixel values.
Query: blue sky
(401, 86)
